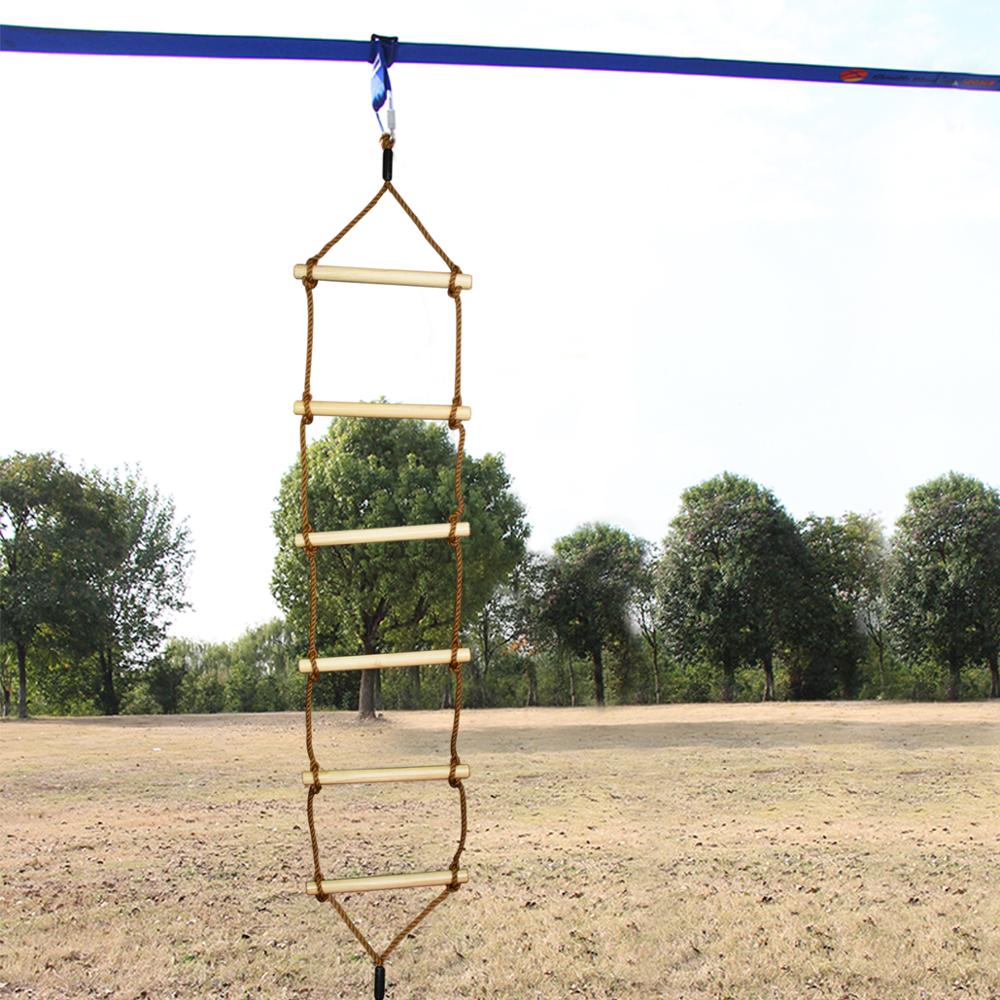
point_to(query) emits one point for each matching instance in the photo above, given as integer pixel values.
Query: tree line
(738, 600)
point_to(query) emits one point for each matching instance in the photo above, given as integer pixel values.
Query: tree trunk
(597, 656)
(532, 698)
(656, 677)
(880, 646)
(572, 684)
(5, 708)
(378, 691)
(768, 662)
(447, 692)
(994, 675)
(413, 682)
(728, 681)
(366, 695)
(109, 697)
(954, 680)
(22, 681)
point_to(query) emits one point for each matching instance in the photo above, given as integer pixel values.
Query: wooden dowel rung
(365, 536)
(383, 276)
(395, 411)
(371, 883)
(382, 661)
(365, 775)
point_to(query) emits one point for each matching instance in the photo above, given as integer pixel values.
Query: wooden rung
(364, 775)
(381, 661)
(396, 411)
(383, 276)
(371, 883)
(404, 533)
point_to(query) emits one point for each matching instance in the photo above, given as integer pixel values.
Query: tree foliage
(730, 577)
(591, 581)
(374, 598)
(137, 578)
(506, 637)
(944, 579)
(92, 570)
(645, 611)
(840, 605)
(45, 523)
(92, 567)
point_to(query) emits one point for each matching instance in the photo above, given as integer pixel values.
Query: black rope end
(387, 164)
(379, 982)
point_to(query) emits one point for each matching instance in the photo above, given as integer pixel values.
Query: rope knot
(453, 422)
(307, 417)
(453, 290)
(453, 539)
(309, 281)
(386, 141)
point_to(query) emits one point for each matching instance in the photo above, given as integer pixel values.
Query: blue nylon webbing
(15, 38)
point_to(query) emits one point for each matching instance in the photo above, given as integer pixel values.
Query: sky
(673, 276)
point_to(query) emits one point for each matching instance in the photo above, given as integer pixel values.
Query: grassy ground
(681, 852)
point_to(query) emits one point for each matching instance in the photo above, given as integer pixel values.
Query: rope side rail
(325, 890)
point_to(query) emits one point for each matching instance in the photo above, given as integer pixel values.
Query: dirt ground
(680, 852)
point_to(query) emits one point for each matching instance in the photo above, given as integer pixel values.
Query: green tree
(730, 577)
(164, 678)
(267, 657)
(592, 577)
(646, 613)
(45, 527)
(536, 647)
(372, 598)
(945, 574)
(508, 637)
(873, 576)
(989, 628)
(6, 683)
(840, 608)
(491, 632)
(136, 578)
(204, 668)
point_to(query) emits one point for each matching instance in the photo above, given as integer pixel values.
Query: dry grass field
(681, 852)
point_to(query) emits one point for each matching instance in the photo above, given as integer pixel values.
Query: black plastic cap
(386, 176)
(380, 969)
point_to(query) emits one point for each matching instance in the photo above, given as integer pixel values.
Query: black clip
(389, 43)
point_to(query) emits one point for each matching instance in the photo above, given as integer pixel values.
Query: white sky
(674, 276)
